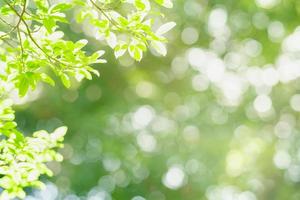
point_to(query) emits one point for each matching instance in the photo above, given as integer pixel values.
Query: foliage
(33, 48)
(22, 159)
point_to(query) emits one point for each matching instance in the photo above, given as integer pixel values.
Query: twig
(32, 38)
(22, 49)
(1, 19)
(8, 43)
(20, 17)
(104, 13)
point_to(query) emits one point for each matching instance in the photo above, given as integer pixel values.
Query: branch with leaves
(32, 45)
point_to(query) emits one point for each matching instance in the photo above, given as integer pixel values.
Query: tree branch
(20, 17)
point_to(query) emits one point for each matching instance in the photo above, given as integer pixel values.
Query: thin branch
(1, 19)
(32, 38)
(8, 43)
(20, 17)
(104, 13)
(22, 50)
(32, 15)
(115, 24)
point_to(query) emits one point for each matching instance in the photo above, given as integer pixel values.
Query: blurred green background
(216, 119)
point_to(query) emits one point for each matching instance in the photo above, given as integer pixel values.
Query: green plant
(32, 45)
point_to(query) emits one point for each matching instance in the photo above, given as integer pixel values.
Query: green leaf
(120, 49)
(159, 47)
(59, 133)
(47, 79)
(165, 3)
(65, 80)
(49, 24)
(135, 52)
(23, 85)
(165, 28)
(60, 7)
